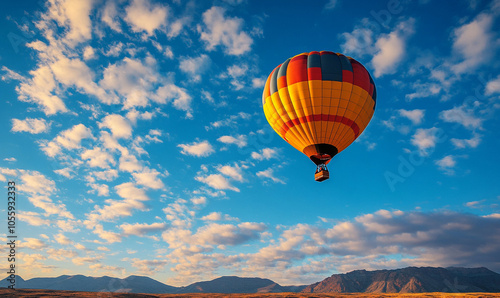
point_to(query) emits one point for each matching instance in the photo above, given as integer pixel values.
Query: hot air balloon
(319, 102)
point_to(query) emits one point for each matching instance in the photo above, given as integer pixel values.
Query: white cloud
(31, 125)
(129, 163)
(199, 200)
(234, 172)
(133, 79)
(99, 158)
(269, 173)
(33, 182)
(89, 53)
(219, 30)
(119, 126)
(63, 240)
(467, 143)
(141, 230)
(66, 172)
(360, 41)
(181, 99)
(141, 15)
(199, 149)
(474, 43)
(50, 208)
(69, 139)
(38, 89)
(216, 181)
(133, 199)
(229, 121)
(102, 190)
(391, 48)
(462, 115)
(214, 216)
(110, 16)
(415, 116)
(258, 82)
(195, 66)
(425, 139)
(493, 86)
(148, 178)
(33, 243)
(74, 72)
(266, 153)
(447, 164)
(227, 234)
(74, 15)
(33, 219)
(240, 140)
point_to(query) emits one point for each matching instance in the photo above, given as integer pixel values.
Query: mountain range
(406, 280)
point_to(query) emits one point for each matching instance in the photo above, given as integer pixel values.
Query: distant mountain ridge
(410, 280)
(406, 280)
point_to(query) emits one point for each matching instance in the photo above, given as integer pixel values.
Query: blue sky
(135, 133)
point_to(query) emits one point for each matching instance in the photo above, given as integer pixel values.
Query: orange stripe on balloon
(322, 117)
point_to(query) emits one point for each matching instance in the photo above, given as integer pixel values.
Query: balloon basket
(321, 175)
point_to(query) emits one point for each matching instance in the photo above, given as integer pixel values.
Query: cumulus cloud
(360, 41)
(269, 173)
(467, 143)
(235, 172)
(195, 67)
(73, 15)
(50, 208)
(99, 158)
(39, 89)
(391, 48)
(118, 125)
(446, 164)
(31, 125)
(266, 153)
(33, 219)
(148, 178)
(239, 140)
(425, 139)
(110, 16)
(493, 86)
(141, 230)
(473, 43)
(217, 181)
(143, 16)
(69, 139)
(229, 121)
(462, 115)
(33, 243)
(199, 149)
(414, 116)
(133, 200)
(219, 30)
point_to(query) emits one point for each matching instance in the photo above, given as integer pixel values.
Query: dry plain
(50, 293)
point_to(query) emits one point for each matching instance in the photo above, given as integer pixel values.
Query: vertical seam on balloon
(367, 98)
(307, 139)
(301, 134)
(339, 130)
(332, 134)
(271, 103)
(331, 99)
(300, 140)
(314, 135)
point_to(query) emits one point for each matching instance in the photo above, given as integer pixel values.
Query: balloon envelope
(319, 102)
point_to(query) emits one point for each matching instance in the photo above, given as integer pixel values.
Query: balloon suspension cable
(321, 167)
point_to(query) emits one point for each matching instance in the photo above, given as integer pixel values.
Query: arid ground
(50, 293)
